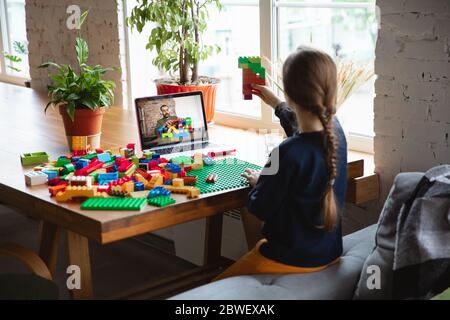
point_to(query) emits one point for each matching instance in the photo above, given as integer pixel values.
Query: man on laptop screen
(171, 120)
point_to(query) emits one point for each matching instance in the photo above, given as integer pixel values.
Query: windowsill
(18, 81)
(251, 146)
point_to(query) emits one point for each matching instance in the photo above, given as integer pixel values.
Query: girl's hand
(252, 176)
(266, 95)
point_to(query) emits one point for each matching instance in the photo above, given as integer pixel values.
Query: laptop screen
(171, 119)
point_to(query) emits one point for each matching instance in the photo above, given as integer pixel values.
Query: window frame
(269, 38)
(5, 45)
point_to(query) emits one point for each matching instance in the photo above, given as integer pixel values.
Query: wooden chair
(35, 286)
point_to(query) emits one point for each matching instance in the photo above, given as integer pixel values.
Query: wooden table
(24, 128)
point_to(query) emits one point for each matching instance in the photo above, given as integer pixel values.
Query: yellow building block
(178, 182)
(198, 162)
(79, 143)
(72, 192)
(157, 180)
(191, 192)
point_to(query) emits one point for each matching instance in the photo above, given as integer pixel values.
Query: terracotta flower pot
(209, 94)
(87, 123)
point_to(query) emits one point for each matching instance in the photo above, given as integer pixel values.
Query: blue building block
(51, 174)
(159, 191)
(208, 161)
(172, 167)
(80, 164)
(139, 186)
(155, 156)
(108, 176)
(104, 157)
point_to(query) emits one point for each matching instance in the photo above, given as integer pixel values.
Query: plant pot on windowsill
(86, 123)
(207, 85)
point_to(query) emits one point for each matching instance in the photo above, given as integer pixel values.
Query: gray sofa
(345, 280)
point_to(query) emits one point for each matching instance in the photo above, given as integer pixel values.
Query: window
(13, 41)
(236, 30)
(346, 29)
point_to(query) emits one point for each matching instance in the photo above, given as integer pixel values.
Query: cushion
(335, 282)
(383, 254)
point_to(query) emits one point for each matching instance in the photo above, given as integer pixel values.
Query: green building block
(253, 63)
(119, 204)
(89, 156)
(161, 201)
(228, 171)
(31, 159)
(183, 160)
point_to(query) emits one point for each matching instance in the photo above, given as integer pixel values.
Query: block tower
(252, 73)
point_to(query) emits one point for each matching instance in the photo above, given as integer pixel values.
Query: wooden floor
(135, 260)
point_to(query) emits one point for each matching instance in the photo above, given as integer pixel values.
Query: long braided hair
(310, 81)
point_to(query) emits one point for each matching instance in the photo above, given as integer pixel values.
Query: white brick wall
(412, 106)
(50, 40)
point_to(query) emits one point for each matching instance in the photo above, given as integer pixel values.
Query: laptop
(174, 123)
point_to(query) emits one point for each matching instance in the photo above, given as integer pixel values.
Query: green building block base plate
(161, 201)
(228, 171)
(119, 204)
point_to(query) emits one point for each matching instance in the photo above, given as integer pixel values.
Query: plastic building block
(80, 164)
(104, 157)
(90, 156)
(79, 143)
(207, 161)
(122, 204)
(80, 181)
(198, 162)
(139, 186)
(191, 192)
(211, 178)
(31, 159)
(178, 182)
(51, 174)
(156, 180)
(79, 192)
(182, 160)
(190, 181)
(35, 178)
(56, 189)
(229, 170)
(161, 201)
(159, 191)
(108, 176)
(252, 73)
(62, 161)
(68, 168)
(171, 167)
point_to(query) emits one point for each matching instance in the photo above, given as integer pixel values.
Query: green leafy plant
(177, 34)
(83, 88)
(20, 49)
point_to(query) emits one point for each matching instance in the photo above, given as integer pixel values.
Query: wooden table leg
(78, 251)
(252, 227)
(49, 245)
(213, 239)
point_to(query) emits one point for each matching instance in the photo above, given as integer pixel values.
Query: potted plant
(81, 93)
(176, 38)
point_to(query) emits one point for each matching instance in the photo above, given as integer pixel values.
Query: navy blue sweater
(290, 201)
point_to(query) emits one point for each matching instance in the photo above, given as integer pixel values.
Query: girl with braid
(300, 204)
